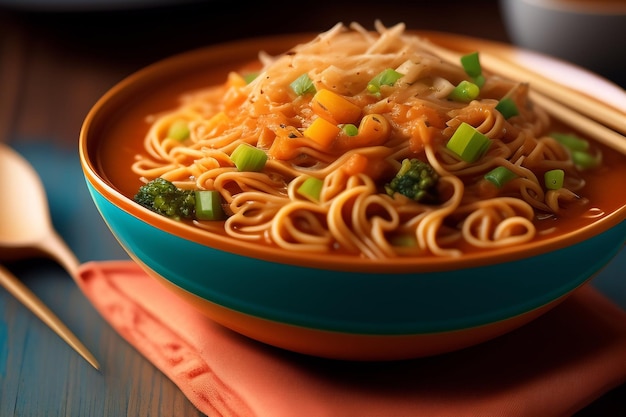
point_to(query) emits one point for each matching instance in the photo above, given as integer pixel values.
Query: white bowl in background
(589, 33)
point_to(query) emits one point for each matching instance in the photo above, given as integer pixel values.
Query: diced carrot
(334, 108)
(322, 132)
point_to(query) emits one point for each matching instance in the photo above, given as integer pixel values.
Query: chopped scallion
(500, 175)
(468, 143)
(404, 240)
(584, 160)
(311, 188)
(209, 205)
(179, 130)
(388, 76)
(479, 80)
(251, 76)
(554, 179)
(248, 158)
(303, 85)
(471, 64)
(507, 107)
(571, 141)
(464, 92)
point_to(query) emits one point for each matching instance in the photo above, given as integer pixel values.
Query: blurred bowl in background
(589, 33)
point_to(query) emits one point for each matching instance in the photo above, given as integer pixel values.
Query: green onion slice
(179, 130)
(507, 107)
(571, 141)
(500, 175)
(311, 188)
(251, 76)
(479, 80)
(248, 158)
(464, 92)
(554, 179)
(468, 143)
(584, 160)
(209, 205)
(303, 85)
(387, 76)
(471, 64)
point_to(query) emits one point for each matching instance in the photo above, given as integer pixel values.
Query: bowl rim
(353, 263)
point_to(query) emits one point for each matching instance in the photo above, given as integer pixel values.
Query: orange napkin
(554, 366)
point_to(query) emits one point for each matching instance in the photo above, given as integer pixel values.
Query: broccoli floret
(163, 197)
(416, 180)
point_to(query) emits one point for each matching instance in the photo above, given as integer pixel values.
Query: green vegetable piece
(209, 205)
(471, 64)
(249, 77)
(311, 188)
(507, 107)
(571, 141)
(303, 85)
(479, 80)
(179, 130)
(387, 76)
(404, 240)
(248, 158)
(416, 180)
(468, 143)
(464, 92)
(553, 179)
(164, 198)
(500, 175)
(584, 160)
(350, 130)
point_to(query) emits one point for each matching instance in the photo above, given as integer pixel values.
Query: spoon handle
(21, 292)
(54, 245)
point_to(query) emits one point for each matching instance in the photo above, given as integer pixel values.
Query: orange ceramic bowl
(341, 307)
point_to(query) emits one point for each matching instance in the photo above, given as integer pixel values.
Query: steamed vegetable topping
(554, 179)
(579, 150)
(179, 130)
(311, 188)
(248, 158)
(303, 85)
(388, 76)
(164, 198)
(416, 180)
(468, 143)
(464, 92)
(507, 107)
(500, 175)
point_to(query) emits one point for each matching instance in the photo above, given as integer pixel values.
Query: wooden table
(54, 64)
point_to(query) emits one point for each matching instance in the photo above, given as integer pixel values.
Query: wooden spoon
(26, 230)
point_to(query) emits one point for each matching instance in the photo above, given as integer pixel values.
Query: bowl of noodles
(350, 194)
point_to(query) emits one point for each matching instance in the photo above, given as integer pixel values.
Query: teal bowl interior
(334, 308)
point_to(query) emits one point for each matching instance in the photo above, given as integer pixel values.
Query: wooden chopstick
(21, 292)
(604, 123)
(585, 125)
(582, 103)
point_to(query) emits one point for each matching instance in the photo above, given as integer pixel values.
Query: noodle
(354, 214)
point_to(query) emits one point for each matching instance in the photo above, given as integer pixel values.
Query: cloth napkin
(553, 366)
